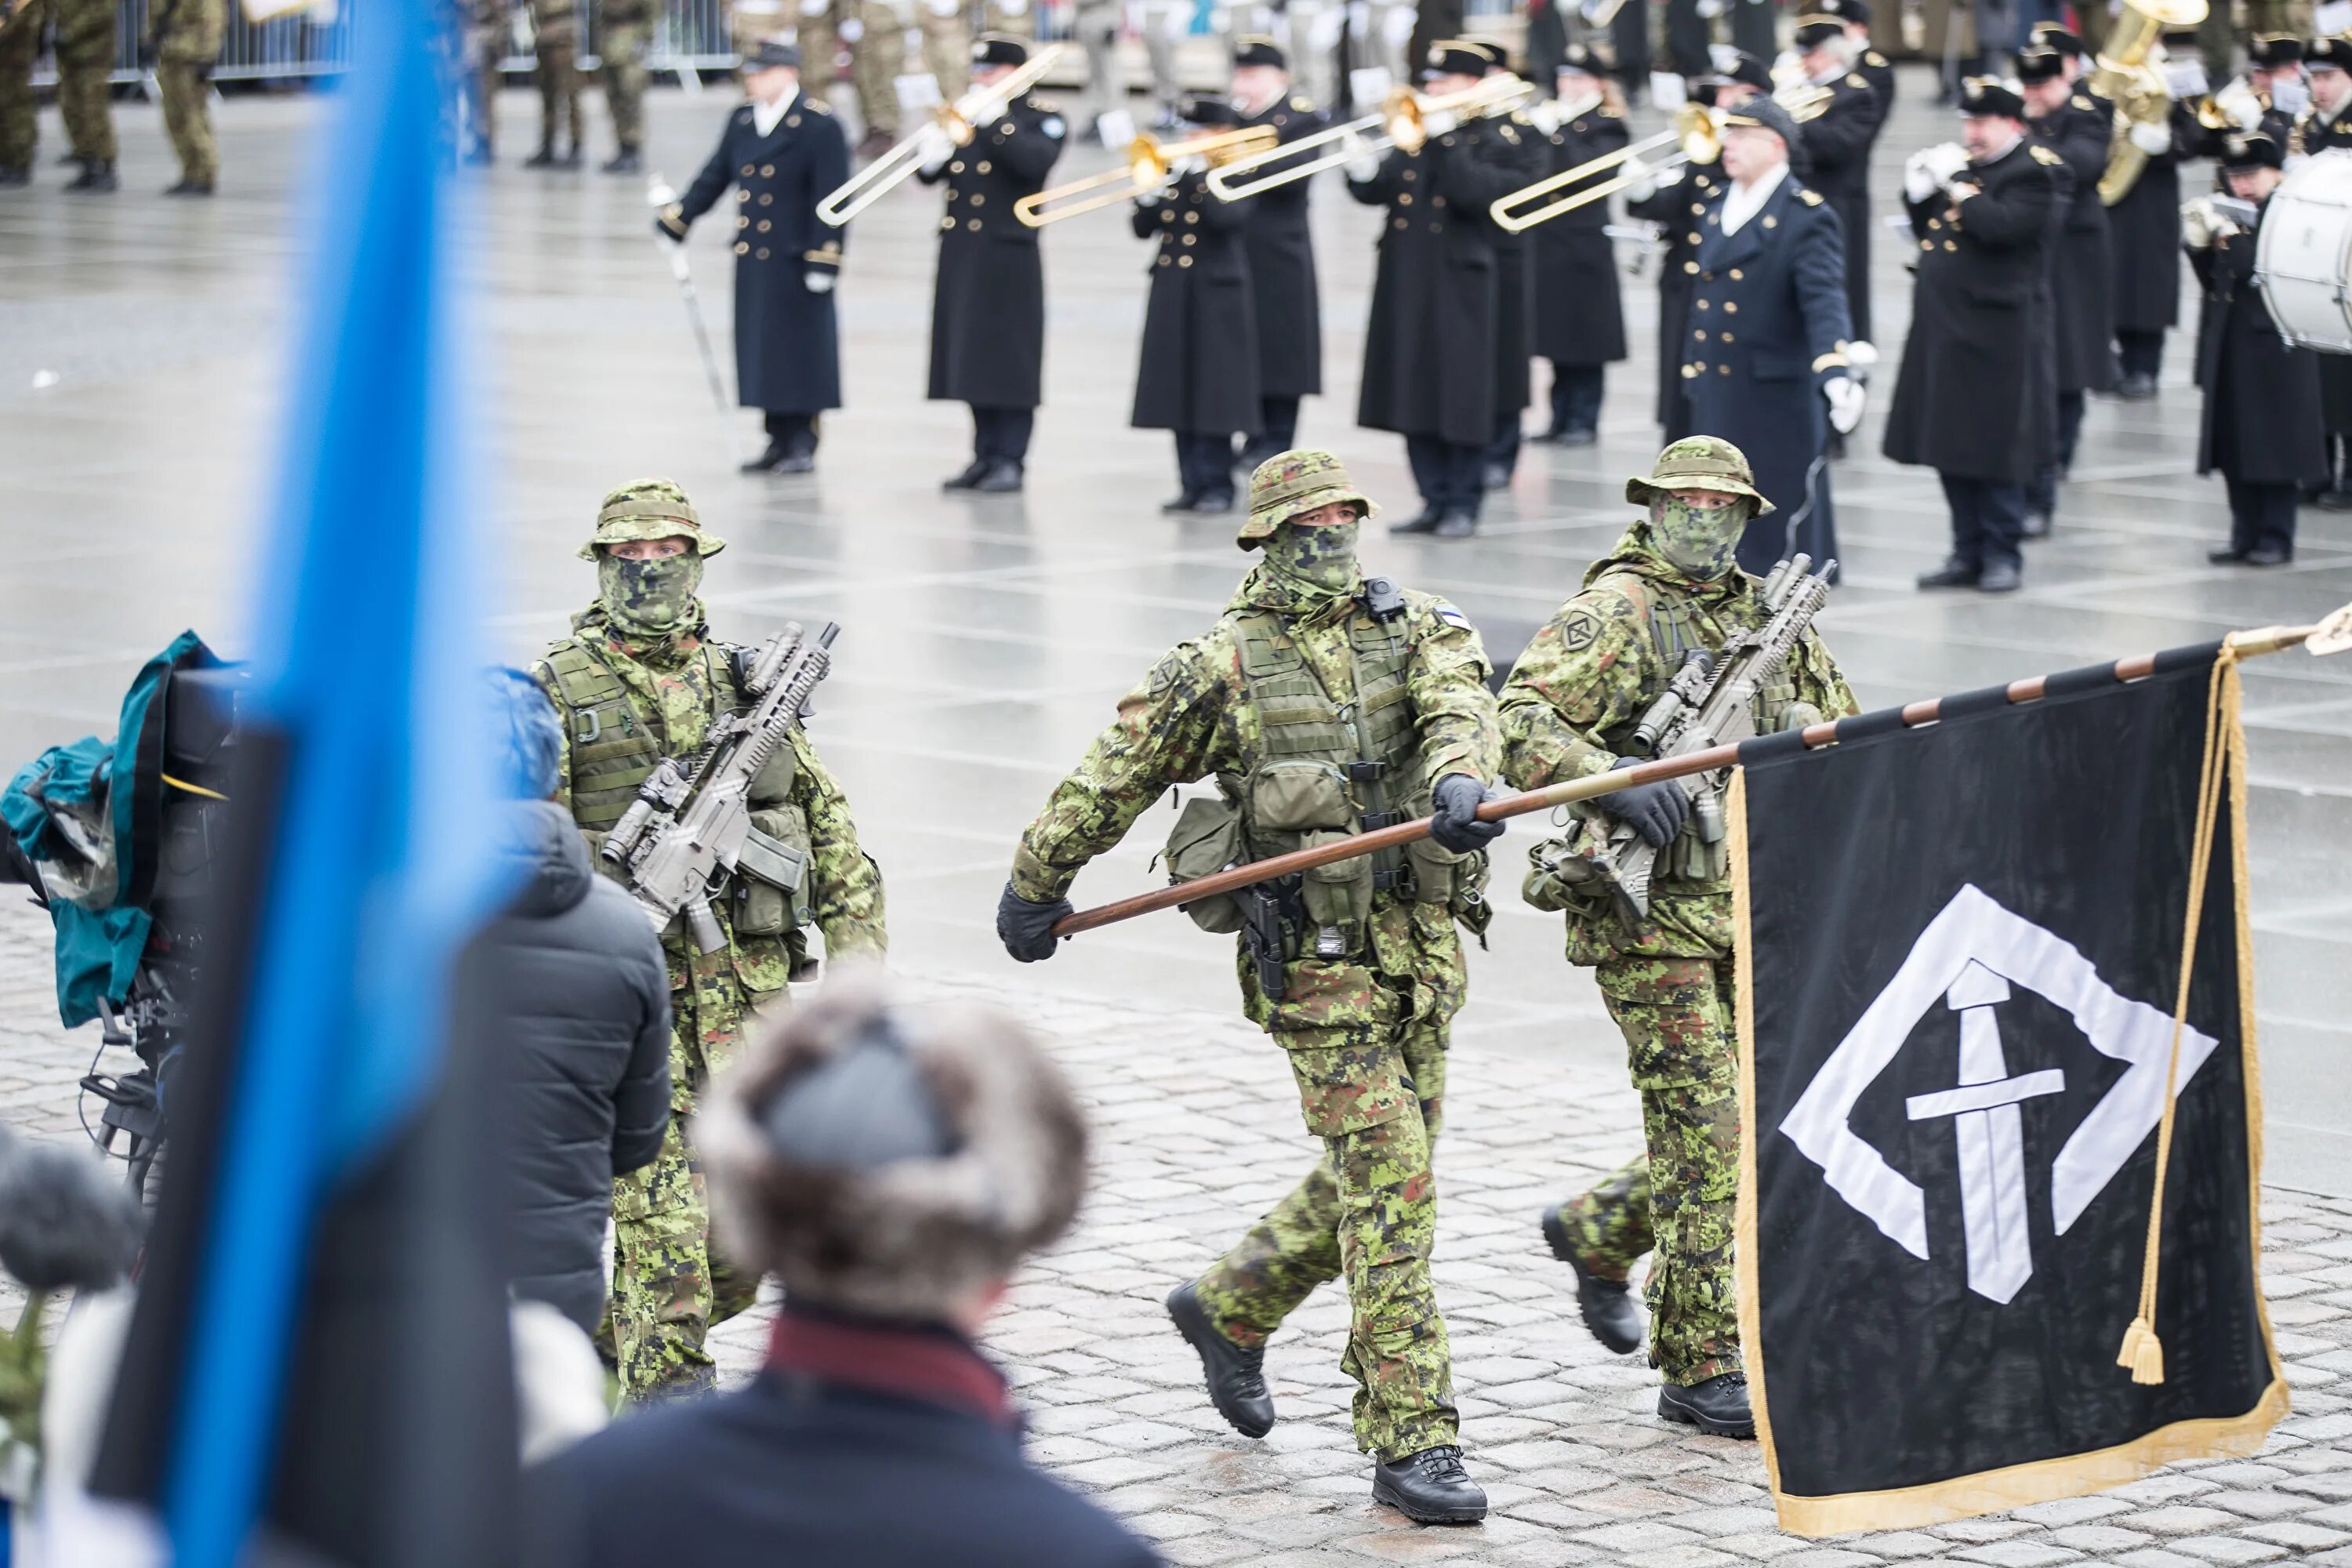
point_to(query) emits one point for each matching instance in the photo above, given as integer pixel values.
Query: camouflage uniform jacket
(1192, 716)
(1583, 683)
(676, 686)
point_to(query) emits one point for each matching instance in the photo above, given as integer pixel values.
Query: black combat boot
(766, 461)
(14, 174)
(97, 175)
(542, 159)
(1606, 1304)
(2001, 577)
(628, 160)
(1425, 521)
(1954, 572)
(189, 187)
(1431, 1487)
(1186, 500)
(1718, 1406)
(1237, 1377)
(1002, 478)
(967, 477)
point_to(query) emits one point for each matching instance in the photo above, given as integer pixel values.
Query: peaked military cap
(1852, 13)
(2055, 36)
(773, 53)
(1814, 29)
(1208, 109)
(1988, 97)
(1739, 65)
(649, 508)
(1699, 463)
(2328, 54)
(1257, 49)
(1459, 57)
(1289, 483)
(2040, 64)
(1764, 114)
(999, 49)
(2269, 51)
(1579, 58)
(2252, 151)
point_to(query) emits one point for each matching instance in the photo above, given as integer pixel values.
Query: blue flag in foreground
(362, 846)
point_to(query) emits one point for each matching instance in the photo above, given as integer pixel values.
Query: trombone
(1401, 122)
(1697, 138)
(958, 120)
(1149, 162)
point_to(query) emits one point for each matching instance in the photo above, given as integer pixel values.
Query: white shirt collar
(766, 117)
(1741, 203)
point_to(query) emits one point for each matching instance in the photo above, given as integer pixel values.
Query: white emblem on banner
(1967, 958)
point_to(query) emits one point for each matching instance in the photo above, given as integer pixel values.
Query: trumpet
(1149, 162)
(1697, 138)
(958, 120)
(2236, 106)
(1401, 122)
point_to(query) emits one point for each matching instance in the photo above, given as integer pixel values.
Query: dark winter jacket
(577, 1017)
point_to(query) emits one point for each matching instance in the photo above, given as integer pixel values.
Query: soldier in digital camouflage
(1323, 704)
(640, 679)
(1671, 584)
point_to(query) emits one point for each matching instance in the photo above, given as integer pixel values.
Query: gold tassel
(2148, 1365)
(2140, 1330)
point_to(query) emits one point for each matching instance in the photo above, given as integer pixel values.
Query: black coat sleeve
(1473, 177)
(1841, 135)
(1222, 217)
(2081, 142)
(1818, 269)
(712, 183)
(2019, 216)
(1029, 152)
(1383, 186)
(828, 171)
(641, 1102)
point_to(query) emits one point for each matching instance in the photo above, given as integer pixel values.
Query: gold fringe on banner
(2070, 1475)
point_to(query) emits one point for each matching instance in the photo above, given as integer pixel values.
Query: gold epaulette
(2044, 155)
(816, 105)
(1855, 78)
(1810, 198)
(2082, 103)
(1301, 102)
(1874, 59)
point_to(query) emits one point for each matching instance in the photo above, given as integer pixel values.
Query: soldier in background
(624, 30)
(2079, 128)
(1671, 585)
(783, 153)
(85, 55)
(487, 34)
(988, 305)
(1355, 976)
(186, 37)
(555, 68)
(640, 678)
(1579, 317)
(21, 22)
(1281, 251)
(1096, 24)
(1198, 378)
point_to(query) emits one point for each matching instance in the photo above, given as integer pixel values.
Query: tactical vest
(1323, 769)
(615, 748)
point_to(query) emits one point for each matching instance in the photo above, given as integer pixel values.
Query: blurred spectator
(577, 1016)
(892, 1164)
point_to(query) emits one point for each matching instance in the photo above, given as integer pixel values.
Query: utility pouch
(1206, 839)
(771, 874)
(1436, 870)
(1299, 796)
(1338, 896)
(1562, 878)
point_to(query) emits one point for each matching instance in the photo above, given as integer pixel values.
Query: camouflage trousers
(20, 45)
(622, 38)
(85, 59)
(669, 1287)
(556, 71)
(1368, 1213)
(186, 87)
(1677, 1199)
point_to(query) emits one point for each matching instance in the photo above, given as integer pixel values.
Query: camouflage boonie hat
(649, 508)
(1291, 482)
(1699, 463)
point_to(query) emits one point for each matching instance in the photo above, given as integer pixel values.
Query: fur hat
(965, 1151)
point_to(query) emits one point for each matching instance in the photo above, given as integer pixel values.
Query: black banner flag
(1963, 951)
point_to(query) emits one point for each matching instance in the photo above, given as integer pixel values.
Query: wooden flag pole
(2332, 635)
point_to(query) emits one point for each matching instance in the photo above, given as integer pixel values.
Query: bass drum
(2304, 264)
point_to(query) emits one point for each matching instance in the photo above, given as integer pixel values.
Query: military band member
(988, 305)
(1764, 360)
(2325, 124)
(1522, 151)
(783, 153)
(1672, 198)
(1357, 980)
(1873, 68)
(1878, 71)
(1281, 252)
(1199, 374)
(2079, 128)
(1975, 398)
(1838, 140)
(1580, 315)
(1430, 371)
(640, 678)
(2261, 425)
(2266, 99)
(2144, 231)
(1670, 585)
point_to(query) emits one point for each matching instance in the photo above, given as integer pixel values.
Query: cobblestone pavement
(1196, 1133)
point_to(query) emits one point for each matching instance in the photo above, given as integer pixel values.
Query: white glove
(1438, 122)
(1863, 354)
(1948, 158)
(2245, 112)
(2198, 227)
(2153, 140)
(1547, 116)
(1919, 179)
(1645, 182)
(1363, 164)
(818, 282)
(933, 147)
(1846, 398)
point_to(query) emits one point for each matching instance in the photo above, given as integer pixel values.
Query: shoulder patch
(1445, 611)
(2044, 155)
(1166, 673)
(1579, 631)
(1811, 198)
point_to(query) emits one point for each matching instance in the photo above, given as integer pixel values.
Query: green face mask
(1702, 541)
(650, 596)
(1319, 560)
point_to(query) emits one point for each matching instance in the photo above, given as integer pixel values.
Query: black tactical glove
(1656, 811)
(1026, 930)
(1453, 817)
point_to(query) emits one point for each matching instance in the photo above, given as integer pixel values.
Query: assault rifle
(690, 825)
(1710, 702)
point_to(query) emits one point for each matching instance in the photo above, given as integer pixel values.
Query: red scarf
(911, 1364)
